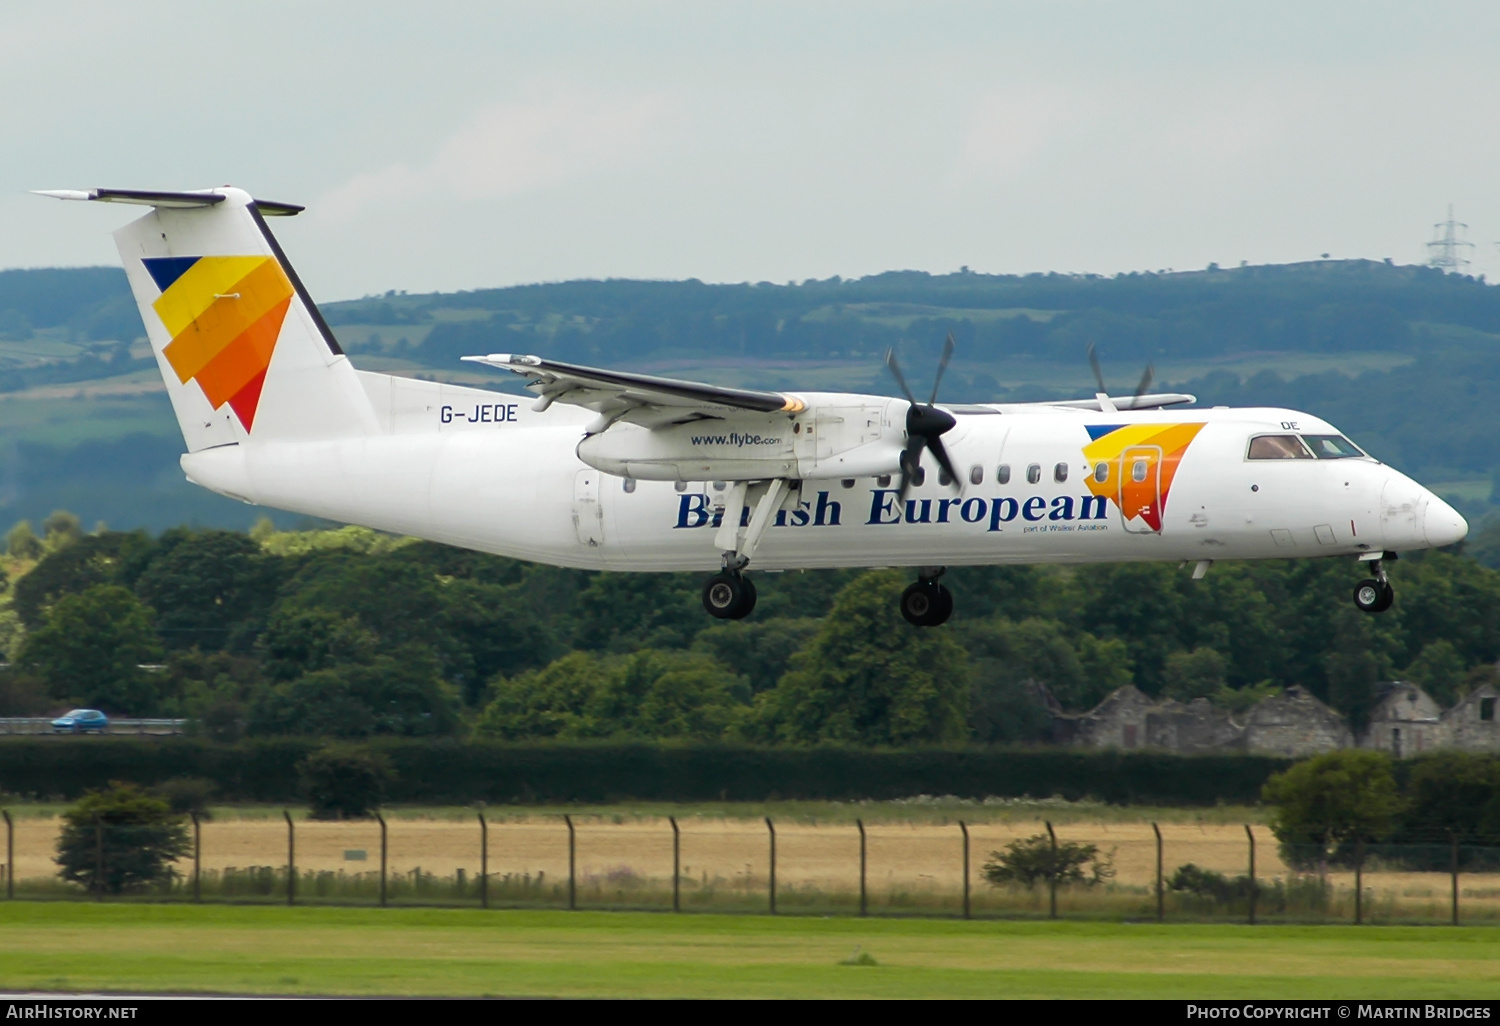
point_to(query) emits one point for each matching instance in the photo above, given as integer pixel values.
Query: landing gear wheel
(1374, 596)
(729, 596)
(926, 604)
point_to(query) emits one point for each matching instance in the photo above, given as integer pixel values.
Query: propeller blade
(1098, 371)
(911, 462)
(890, 361)
(1140, 389)
(942, 366)
(935, 443)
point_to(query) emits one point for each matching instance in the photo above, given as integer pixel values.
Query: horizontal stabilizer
(166, 200)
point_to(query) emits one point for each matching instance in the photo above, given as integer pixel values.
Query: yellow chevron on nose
(213, 303)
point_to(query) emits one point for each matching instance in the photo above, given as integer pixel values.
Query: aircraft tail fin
(243, 349)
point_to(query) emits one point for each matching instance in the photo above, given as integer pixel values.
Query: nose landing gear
(927, 603)
(1375, 594)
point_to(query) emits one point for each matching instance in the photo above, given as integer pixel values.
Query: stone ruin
(1406, 721)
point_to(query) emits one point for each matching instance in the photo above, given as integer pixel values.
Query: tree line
(349, 633)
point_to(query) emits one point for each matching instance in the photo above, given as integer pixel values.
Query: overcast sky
(447, 145)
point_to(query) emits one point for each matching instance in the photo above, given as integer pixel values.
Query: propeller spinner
(925, 424)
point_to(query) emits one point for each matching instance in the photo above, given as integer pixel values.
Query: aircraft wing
(655, 402)
(639, 398)
(1150, 401)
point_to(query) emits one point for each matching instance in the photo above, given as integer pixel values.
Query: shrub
(344, 782)
(1030, 860)
(120, 839)
(1208, 884)
(1326, 804)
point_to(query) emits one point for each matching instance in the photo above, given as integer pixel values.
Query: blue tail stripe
(165, 270)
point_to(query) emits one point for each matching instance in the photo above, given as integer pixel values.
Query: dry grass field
(625, 859)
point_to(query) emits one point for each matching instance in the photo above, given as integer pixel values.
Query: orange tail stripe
(242, 359)
(224, 320)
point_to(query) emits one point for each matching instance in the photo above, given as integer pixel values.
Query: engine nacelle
(837, 439)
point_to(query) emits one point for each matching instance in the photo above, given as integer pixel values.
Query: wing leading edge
(641, 398)
(653, 401)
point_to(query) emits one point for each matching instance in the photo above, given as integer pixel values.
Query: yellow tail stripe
(221, 320)
(194, 292)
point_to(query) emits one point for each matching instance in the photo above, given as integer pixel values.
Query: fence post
(863, 905)
(98, 858)
(572, 866)
(1161, 900)
(965, 828)
(484, 862)
(1254, 886)
(381, 820)
(10, 857)
(291, 860)
(772, 828)
(676, 865)
(1052, 874)
(197, 857)
(1453, 867)
(1359, 882)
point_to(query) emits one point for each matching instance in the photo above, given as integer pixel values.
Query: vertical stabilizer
(245, 354)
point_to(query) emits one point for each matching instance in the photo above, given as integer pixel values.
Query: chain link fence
(1143, 871)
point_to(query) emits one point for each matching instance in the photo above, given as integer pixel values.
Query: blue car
(80, 721)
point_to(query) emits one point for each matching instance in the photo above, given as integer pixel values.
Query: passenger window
(1034, 473)
(1331, 447)
(1278, 447)
(1060, 473)
(681, 486)
(884, 480)
(944, 479)
(976, 475)
(629, 484)
(1002, 473)
(919, 477)
(1101, 472)
(1138, 471)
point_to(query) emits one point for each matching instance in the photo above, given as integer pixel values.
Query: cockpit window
(1278, 447)
(1331, 447)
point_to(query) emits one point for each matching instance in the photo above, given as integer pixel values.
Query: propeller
(1140, 389)
(925, 424)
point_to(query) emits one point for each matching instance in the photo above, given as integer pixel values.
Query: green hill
(1400, 357)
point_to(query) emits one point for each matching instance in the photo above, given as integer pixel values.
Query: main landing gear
(927, 603)
(729, 595)
(1375, 594)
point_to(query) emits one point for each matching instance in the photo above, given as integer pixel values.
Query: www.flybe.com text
(736, 439)
(1062, 512)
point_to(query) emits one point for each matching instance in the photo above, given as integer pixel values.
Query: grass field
(70, 947)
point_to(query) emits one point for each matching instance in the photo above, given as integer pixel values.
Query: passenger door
(1140, 489)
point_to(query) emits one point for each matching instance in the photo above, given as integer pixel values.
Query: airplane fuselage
(484, 471)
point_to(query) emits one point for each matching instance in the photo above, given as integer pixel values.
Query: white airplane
(615, 471)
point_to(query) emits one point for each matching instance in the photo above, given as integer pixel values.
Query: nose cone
(1442, 525)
